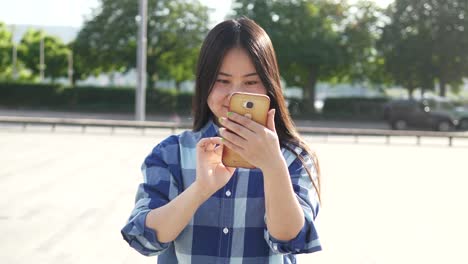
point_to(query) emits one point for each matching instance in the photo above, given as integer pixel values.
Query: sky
(73, 12)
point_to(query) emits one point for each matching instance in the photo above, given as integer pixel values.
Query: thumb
(219, 149)
(271, 120)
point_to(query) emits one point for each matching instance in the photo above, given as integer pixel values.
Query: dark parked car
(434, 114)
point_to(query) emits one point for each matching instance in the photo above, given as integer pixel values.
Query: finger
(204, 143)
(232, 137)
(232, 146)
(218, 150)
(271, 120)
(245, 122)
(211, 145)
(236, 128)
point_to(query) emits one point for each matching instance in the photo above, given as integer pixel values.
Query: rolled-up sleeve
(158, 188)
(307, 241)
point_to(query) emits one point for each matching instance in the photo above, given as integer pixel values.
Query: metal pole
(15, 53)
(41, 60)
(140, 97)
(15, 56)
(70, 67)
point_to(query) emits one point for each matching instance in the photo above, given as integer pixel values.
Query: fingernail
(220, 119)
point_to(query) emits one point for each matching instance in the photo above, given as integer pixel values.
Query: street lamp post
(70, 67)
(41, 60)
(140, 97)
(14, 53)
(15, 56)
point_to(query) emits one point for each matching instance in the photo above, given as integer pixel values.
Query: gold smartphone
(250, 105)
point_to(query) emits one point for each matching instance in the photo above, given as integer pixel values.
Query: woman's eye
(222, 81)
(251, 83)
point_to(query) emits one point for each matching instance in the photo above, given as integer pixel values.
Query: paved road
(64, 197)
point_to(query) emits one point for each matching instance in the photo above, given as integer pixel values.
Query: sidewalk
(187, 119)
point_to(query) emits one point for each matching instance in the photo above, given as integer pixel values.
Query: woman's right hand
(212, 175)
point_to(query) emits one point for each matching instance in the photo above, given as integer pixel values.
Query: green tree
(360, 36)
(55, 54)
(83, 65)
(181, 68)
(408, 63)
(6, 46)
(450, 36)
(176, 29)
(317, 40)
(426, 42)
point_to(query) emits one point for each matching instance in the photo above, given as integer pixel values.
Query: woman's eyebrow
(250, 74)
(229, 75)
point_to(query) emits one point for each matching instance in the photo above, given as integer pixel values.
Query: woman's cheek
(259, 89)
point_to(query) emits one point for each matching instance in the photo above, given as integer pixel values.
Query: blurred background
(339, 59)
(361, 70)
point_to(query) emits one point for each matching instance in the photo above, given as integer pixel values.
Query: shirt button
(228, 193)
(275, 247)
(225, 230)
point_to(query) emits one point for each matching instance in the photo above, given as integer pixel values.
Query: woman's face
(237, 74)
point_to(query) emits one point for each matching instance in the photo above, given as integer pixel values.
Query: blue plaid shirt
(230, 226)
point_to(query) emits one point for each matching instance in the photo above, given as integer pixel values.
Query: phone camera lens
(248, 105)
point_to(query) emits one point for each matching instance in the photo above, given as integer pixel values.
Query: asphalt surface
(64, 197)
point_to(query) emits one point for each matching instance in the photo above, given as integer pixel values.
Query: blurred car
(432, 113)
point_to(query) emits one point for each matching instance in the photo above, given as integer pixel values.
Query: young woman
(190, 207)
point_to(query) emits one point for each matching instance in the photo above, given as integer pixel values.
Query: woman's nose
(233, 91)
(238, 88)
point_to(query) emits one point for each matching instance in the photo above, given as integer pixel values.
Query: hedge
(102, 99)
(122, 99)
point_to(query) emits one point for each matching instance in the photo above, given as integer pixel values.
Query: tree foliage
(108, 42)
(318, 40)
(426, 42)
(55, 54)
(6, 46)
(363, 29)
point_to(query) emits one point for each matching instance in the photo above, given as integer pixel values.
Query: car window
(405, 106)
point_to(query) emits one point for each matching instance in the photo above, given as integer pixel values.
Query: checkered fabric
(230, 226)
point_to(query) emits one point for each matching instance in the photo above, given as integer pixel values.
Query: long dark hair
(246, 34)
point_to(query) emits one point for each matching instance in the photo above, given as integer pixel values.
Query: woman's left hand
(255, 143)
